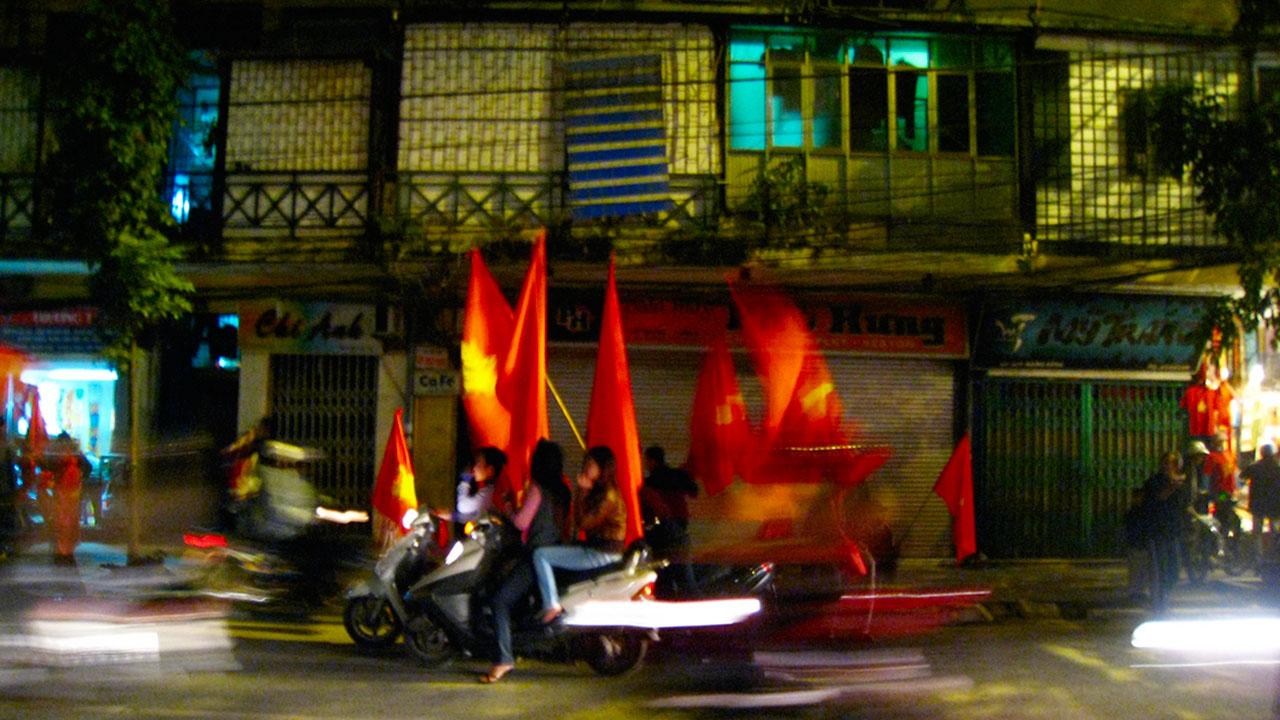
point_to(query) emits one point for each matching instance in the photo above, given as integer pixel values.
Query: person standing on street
(1263, 477)
(1165, 497)
(1220, 472)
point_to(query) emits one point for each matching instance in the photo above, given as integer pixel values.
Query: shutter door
(905, 404)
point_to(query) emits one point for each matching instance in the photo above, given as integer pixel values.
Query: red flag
(522, 382)
(486, 337)
(611, 419)
(802, 438)
(719, 433)
(393, 492)
(955, 487)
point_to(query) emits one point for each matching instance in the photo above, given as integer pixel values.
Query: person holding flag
(599, 528)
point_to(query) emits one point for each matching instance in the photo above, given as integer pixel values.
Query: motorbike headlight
(455, 552)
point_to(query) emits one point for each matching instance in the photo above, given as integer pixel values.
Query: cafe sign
(308, 327)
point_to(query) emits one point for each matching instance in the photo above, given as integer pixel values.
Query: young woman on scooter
(599, 528)
(541, 522)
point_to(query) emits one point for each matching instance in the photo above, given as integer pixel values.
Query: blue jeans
(569, 557)
(509, 593)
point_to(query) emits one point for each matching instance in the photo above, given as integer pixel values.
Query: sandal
(496, 673)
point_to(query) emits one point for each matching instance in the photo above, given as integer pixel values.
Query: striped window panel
(615, 137)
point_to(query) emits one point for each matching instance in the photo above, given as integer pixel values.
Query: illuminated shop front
(77, 389)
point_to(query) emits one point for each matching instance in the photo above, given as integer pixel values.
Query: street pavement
(1028, 640)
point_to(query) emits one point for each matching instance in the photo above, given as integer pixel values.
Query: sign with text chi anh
(308, 327)
(1103, 332)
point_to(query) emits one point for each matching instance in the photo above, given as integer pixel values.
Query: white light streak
(1211, 636)
(658, 614)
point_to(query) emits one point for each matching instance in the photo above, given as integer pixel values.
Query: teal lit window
(832, 92)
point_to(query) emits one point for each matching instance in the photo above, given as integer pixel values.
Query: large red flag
(801, 438)
(955, 487)
(486, 338)
(393, 491)
(611, 419)
(719, 432)
(522, 382)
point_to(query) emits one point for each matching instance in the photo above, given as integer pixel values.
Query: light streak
(1258, 634)
(659, 614)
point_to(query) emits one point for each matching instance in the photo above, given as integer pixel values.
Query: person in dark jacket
(541, 522)
(599, 529)
(1165, 498)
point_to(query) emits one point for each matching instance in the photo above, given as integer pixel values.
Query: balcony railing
(459, 200)
(296, 203)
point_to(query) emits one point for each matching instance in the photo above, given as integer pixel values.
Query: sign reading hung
(615, 137)
(312, 327)
(1106, 332)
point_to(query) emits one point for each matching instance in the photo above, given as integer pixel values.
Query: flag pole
(565, 411)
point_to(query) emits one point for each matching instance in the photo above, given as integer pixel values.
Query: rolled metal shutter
(907, 404)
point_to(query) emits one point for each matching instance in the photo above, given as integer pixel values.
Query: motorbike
(446, 612)
(1210, 545)
(374, 613)
(291, 545)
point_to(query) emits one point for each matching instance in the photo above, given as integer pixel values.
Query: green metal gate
(1055, 462)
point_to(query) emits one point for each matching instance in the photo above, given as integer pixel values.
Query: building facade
(932, 195)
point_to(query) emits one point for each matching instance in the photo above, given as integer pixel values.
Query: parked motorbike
(1210, 545)
(446, 613)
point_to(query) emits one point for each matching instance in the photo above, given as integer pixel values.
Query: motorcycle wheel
(1235, 560)
(428, 643)
(1198, 558)
(371, 624)
(613, 654)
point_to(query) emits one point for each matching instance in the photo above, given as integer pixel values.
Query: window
(870, 94)
(193, 147)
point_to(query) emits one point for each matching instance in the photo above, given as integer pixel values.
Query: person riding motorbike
(599, 529)
(541, 521)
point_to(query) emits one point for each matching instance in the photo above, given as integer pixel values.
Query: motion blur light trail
(657, 614)
(807, 678)
(1217, 636)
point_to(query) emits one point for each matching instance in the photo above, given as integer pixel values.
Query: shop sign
(873, 325)
(430, 357)
(436, 382)
(65, 331)
(1105, 332)
(308, 327)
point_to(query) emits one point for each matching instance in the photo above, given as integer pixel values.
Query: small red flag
(522, 382)
(393, 491)
(955, 487)
(37, 437)
(719, 432)
(486, 337)
(611, 419)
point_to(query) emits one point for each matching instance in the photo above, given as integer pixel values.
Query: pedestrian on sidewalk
(1165, 498)
(1263, 477)
(1138, 554)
